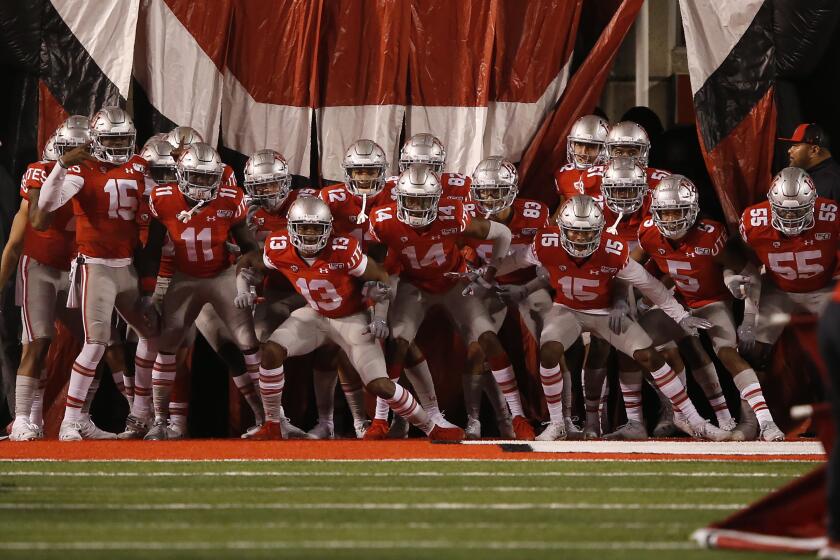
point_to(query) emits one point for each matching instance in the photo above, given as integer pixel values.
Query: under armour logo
(809, 242)
(211, 218)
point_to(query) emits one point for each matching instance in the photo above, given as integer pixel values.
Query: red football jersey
(582, 284)
(690, 262)
(528, 217)
(345, 207)
(106, 207)
(628, 227)
(55, 246)
(200, 249)
(328, 283)
(264, 222)
(570, 181)
(425, 254)
(799, 264)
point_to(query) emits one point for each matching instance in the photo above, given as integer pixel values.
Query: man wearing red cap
(809, 150)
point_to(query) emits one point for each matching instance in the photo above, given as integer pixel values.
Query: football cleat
(252, 430)
(23, 430)
(135, 428)
(439, 433)
(769, 431)
(439, 419)
(268, 431)
(473, 429)
(728, 425)
(399, 428)
(378, 429)
(89, 430)
(830, 552)
(290, 431)
(631, 431)
(361, 426)
(70, 431)
(747, 429)
(522, 429)
(705, 430)
(322, 430)
(572, 431)
(158, 432)
(555, 431)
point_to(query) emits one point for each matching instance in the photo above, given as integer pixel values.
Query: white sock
(506, 379)
(272, 382)
(404, 404)
(247, 389)
(252, 365)
(25, 390)
(324, 382)
(631, 392)
(707, 377)
(552, 385)
(144, 362)
(421, 379)
(36, 413)
(163, 379)
(84, 370)
(355, 396)
(750, 388)
(669, 383)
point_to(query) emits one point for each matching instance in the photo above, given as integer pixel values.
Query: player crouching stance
(326, 270)
(583, 273)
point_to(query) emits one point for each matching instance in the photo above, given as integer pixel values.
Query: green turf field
(377, 509)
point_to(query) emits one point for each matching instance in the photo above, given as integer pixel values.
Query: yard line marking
(284, 489)
(698, 448)
(349, 544)
(417, 525)
(594, 459)
(20, 506)
(573, 474)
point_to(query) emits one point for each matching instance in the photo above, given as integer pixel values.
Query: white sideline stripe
(342, 545)
(179, 525)
(379, 489)
(709, 537)
(671, 448)
(443, 506)
(425, 474)
(408, 460)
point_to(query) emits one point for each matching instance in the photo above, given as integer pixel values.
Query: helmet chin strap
(186, 215)
(361, 217)
(613, 229)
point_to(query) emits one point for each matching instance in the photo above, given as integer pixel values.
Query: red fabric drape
(547, 151)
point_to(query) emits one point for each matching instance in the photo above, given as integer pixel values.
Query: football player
(198, 216)
(427, 149)
(423, 230)
(326, 269)
(794, 234)
(583, 263)
(106, 188)
(586, 155)
(268, 186)
(693, 252)
(42, 259)
(493, 195)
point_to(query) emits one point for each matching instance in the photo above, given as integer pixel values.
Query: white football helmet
(588, 135)
(365, 157)
(418, 192)
(581, 223)
(309, 224)
(73, 132)
(494, 184)
(267, 179)
(792, 199)
(183, 135)
(628, 139)
(624, 185)
(112, 134)
(158, 154)
(199, 172)
(674, 206)
(423, 148)
(50, 153)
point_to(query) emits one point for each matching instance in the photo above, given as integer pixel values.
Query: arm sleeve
(501, 236)
(521, 258)
(655, 291)
(58, 189)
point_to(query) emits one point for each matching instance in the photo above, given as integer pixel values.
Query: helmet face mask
(50, 152)
(674, 206)
(365, 167)
(199, 172)
(792, 199)
(267, 179)
(581, 223)
(494, 185)
(309, 225)
(113, 135)
(628, 139)
(624, 185)
(423, 148)
(418, 193)
(161, 174)
(585, 143)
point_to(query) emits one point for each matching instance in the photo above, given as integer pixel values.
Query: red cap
(808, 133)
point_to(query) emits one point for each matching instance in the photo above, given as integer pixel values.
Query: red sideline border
(328, 450)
